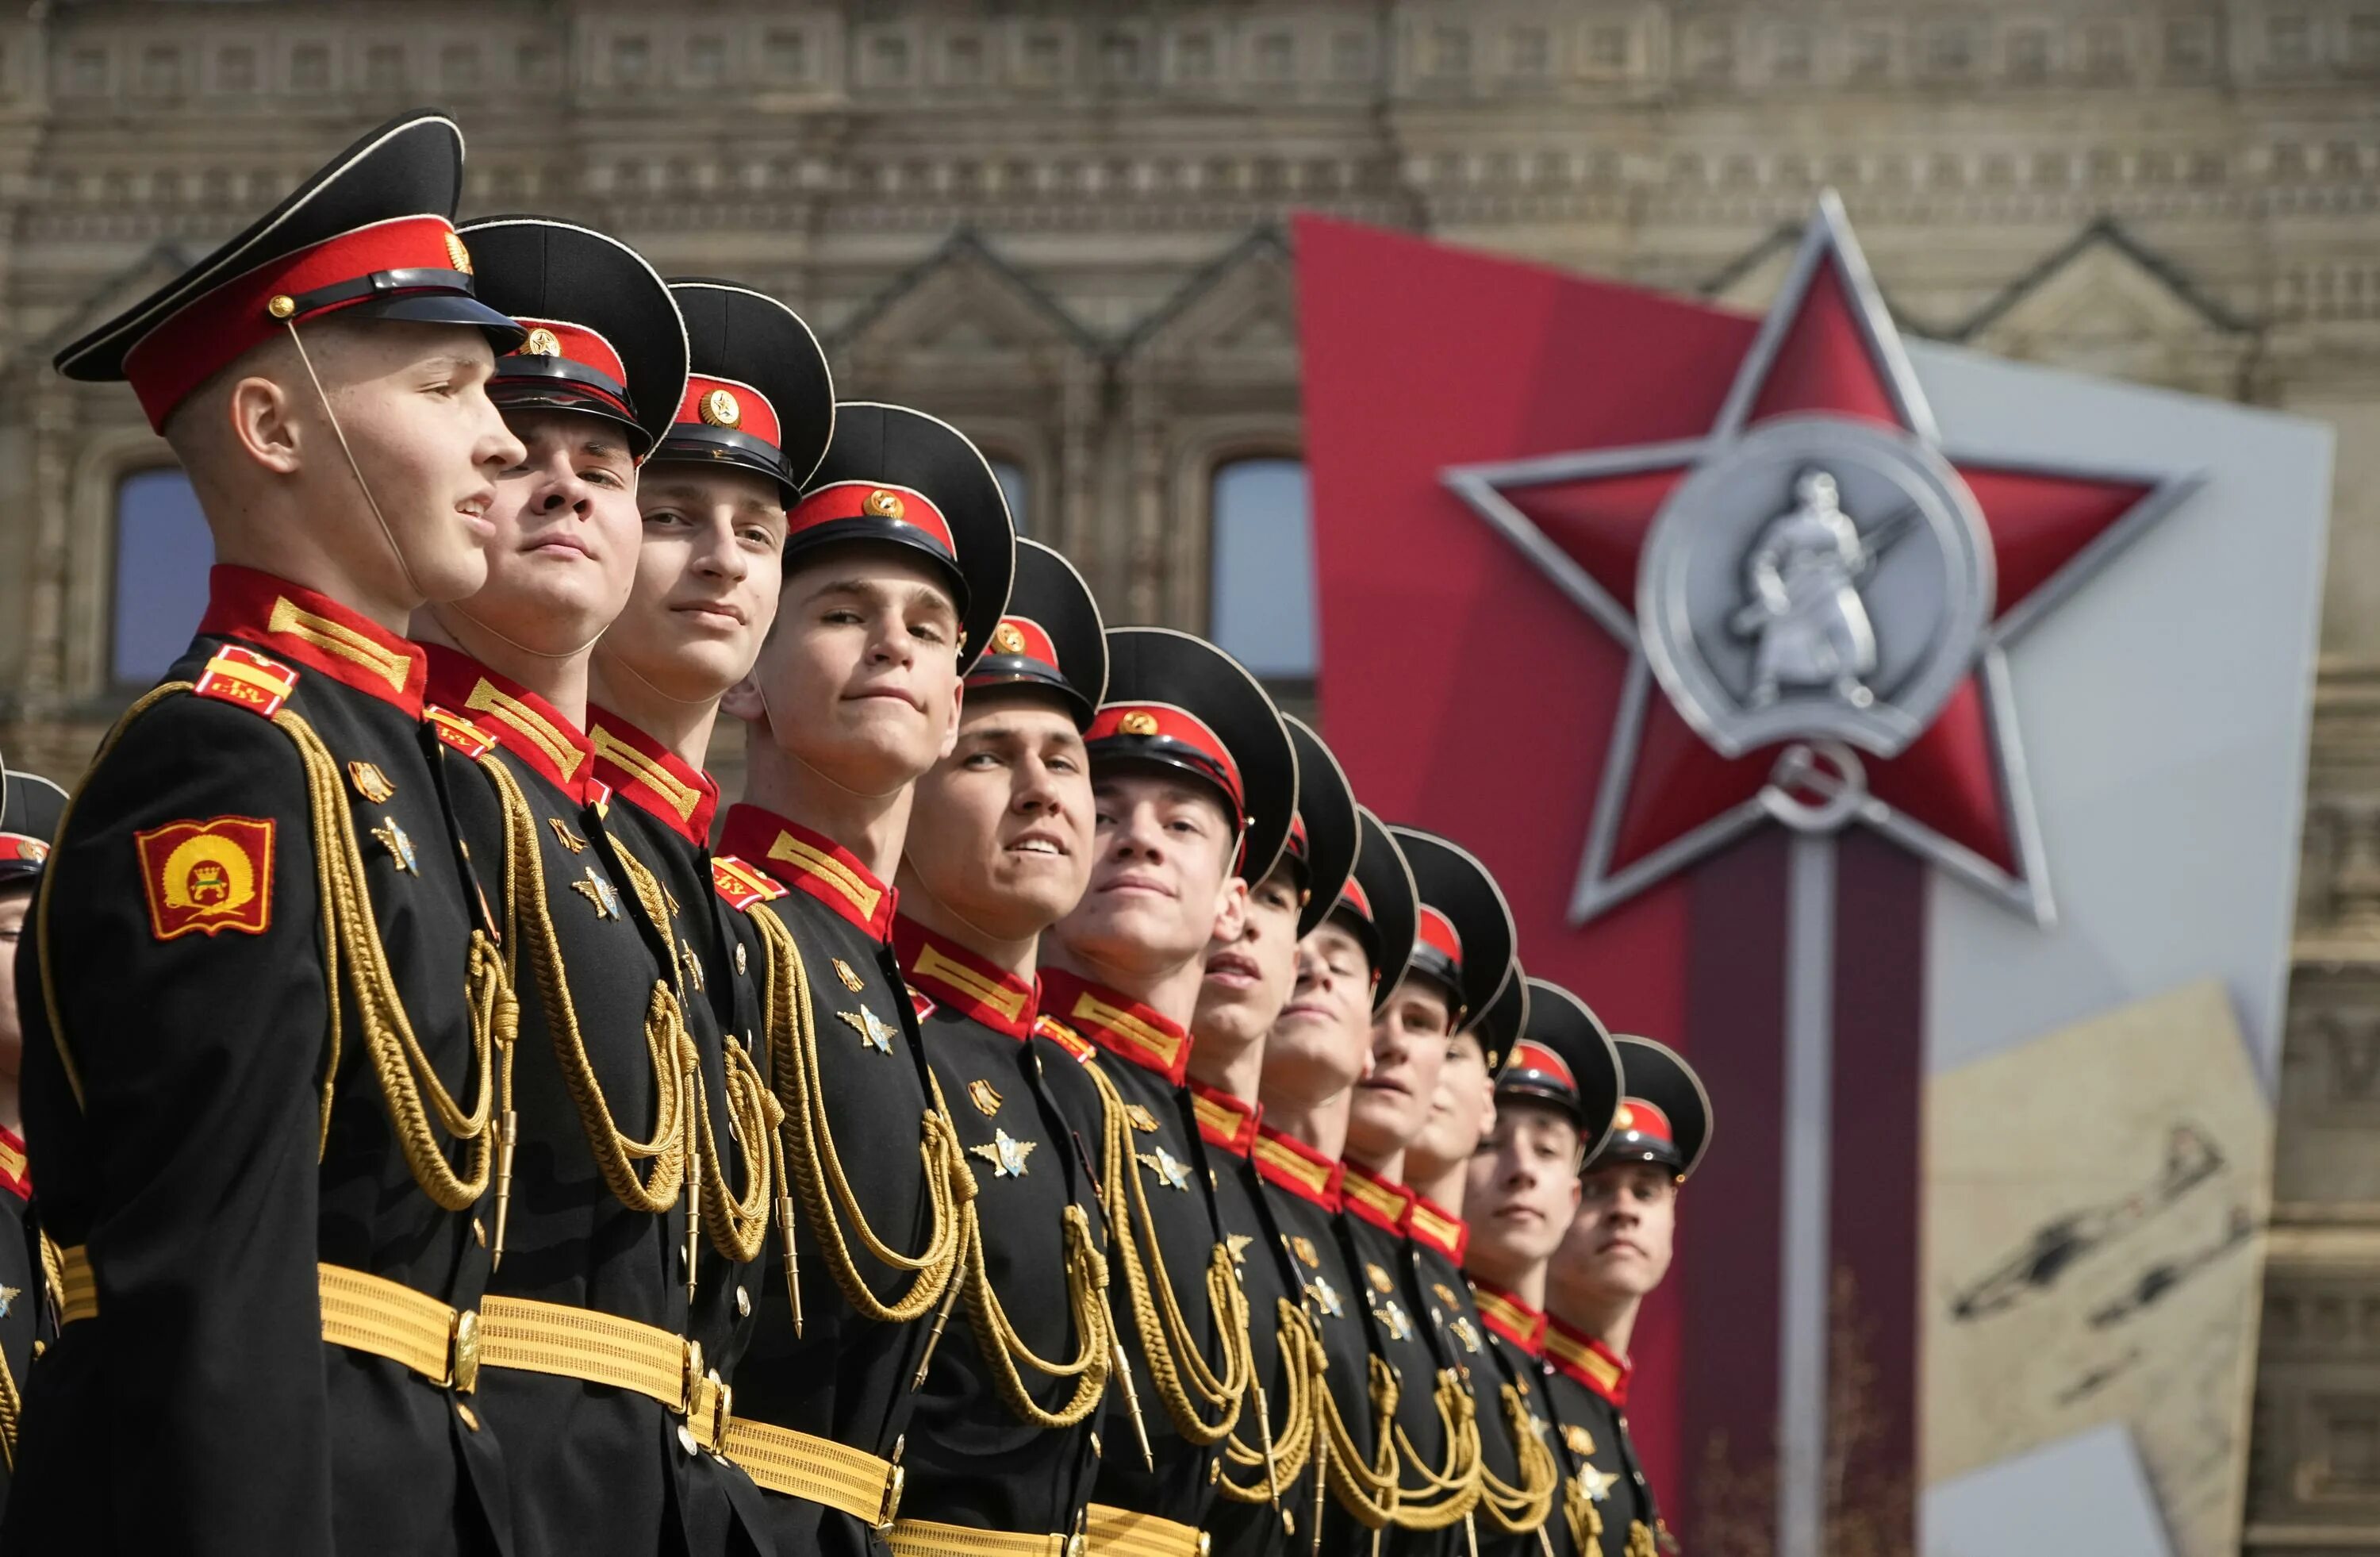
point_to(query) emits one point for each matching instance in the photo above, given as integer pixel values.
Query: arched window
(1013, 486)
(1262, 587)
(163, 552)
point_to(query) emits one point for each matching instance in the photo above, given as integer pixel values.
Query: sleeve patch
(246, 678)
(207, 877)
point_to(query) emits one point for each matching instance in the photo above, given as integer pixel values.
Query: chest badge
(371, 783)
(1005, 1153)
(851, 980)
(1237, 1246)
(1303, 1246)
(9, 1296)
(1596, 1484)
(1379, 1279)
(1393, 1315)
(1170, 1169)
(693, 962)
(1445, 1293)
(873, 1030)
(1577, 1440)
(564, 836)
(400, 847)
(1326, 1299)
(601, 892)
(985, 1096)
(1468, 1335)
(1142, 1120)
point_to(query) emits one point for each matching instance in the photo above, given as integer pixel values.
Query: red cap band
(867, 500)
(214, 329)
(17, 846)
(1637, 1116)
(1162, 721)
(738, 408)
(1436, 930)
(574, 343)
(1352, 896)
(1529, 1054)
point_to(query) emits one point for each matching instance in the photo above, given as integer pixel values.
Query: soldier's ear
(744, 701)
(1231, 911)
(260, 416)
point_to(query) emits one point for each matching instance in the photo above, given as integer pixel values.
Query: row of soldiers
(1039, 1119)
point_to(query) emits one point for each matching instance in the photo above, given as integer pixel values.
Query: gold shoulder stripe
(931, 963)
(12, 1161)
(559, 749)
(337, 637)
(680, 796)
(1582, 1357)
(1379, 1198)
(1281, 1160)
(828, 869)
(1163, 1045)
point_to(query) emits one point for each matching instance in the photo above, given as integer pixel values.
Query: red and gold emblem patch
(254, 681)
(208, 876)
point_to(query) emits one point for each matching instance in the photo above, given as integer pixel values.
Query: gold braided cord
(1515, 1509)
(670, 1049)
(1003, 1348)
(1639, 1540)
(816, 1170)
(1176, 1364)
(1367, 1491)
(1280, 1456)
(1448, 1492)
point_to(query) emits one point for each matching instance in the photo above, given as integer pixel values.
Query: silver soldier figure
(1803, 575)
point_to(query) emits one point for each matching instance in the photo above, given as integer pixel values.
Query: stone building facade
(1060, 226)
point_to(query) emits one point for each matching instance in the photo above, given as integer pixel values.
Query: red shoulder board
(459, 733)
(1066, 1037)
(253, 681)
(740, 884)
(921, 1002)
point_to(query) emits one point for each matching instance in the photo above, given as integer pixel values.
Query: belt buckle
(708, 1411)
(463, 1352)
(891, 1507)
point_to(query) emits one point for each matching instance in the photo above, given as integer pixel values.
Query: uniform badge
(400, 847)
(1577, 1440)
(564, 836)
(693, 963)
(1379, 1279)
(1326, 1297)
(1008, 639)
(873, 1030)
(601, 892)
(1171, 1170)
(9, 1296)
(1137, 722)
(371, 783)
(1142, 1120)
(742, 962)
(1237, 1246)
(1303, 1246)
(207, 877)
(255, 682)
(1468, 1333)
(985, 1096)
(1445, 1293)
(851, 980)
(1394, 1315)
(1005, 1153)
(1596, 1484)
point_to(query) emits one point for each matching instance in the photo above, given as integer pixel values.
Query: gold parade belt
(1118, 1532)
(923, 1538)
(448, 1347)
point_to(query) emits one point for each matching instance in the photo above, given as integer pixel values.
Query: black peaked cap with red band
(604, 335)
(1380, 905)
(1664, 1115)
(1178, 702)
(1327, 837)
(759, 396)
(894, 476)
(31, 808)
(1507, 1016)
(1565, 1057)
(1051, 637)
(370, 236)
(1465, 938)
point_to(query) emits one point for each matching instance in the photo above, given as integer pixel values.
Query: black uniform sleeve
(198, 1044)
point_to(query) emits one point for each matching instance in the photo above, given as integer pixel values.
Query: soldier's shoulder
(1081, 1049)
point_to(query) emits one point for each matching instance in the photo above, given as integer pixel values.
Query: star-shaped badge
(1005, 1153)
(1816, 594)
(877, 1033)
(1170, 1169)
(1237, 1245)
(1596, 1484)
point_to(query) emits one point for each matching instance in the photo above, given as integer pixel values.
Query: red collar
(1223, 1120)
(317, 632)
(514, 718)
(813, 863)
(1382, 1203)
(1120, 1026)
(13, 1177)
(660, 783)
(1298, 1168)
(1510, 1317)
(1433, 1226)
(1587, 1360)
(957, 977)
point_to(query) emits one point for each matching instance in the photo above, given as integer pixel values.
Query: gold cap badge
(1137, 722)
(1007, 640)
(458, 254)
(883, 505)
(719, 408)
(541, 342)
(281, 306)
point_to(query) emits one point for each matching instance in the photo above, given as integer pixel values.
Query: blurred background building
(1063, 225)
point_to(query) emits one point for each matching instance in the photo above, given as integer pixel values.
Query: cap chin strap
(387, 534)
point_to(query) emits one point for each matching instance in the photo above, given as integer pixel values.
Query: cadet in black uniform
(1002, 1444)
(1555, 1096)
(272, 1227)
(706, 593)
(1617, 1251)
(30, 808)
(1248, 982)
(1195, 786)
(897, 567)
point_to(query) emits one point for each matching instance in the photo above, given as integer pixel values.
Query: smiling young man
(1194, 787)
(1555, 1096)
(1002, 1444)
(233, 1206)
(1616, 1251)
(897, 565)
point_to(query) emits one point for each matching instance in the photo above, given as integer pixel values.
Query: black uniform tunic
(176, 1114)
(24, 1308)
(1146, 1057)
(661, 813)
(1377, 1231)
(591, 1462)
(1515, 1355)
(1588, 1387)
(1439, 1238)
(971, 1459)
(844, 1376)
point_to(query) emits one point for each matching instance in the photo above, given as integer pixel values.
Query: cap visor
(503, 331)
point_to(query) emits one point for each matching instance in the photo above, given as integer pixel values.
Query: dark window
(236, 70)
(163, 552)
(1263, 604)
(384, 68)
